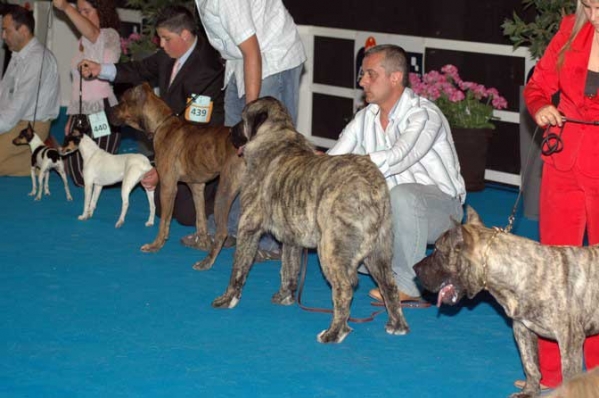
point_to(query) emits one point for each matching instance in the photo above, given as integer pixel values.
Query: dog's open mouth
(447, 295)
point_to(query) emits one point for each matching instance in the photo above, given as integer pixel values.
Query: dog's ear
(472, 217)
(258, 120)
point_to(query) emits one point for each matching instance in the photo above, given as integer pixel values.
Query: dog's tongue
(447, 295)
(240, 150)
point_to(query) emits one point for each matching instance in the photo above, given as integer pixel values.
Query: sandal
(263, 255)
(406, 301)
(521, 383)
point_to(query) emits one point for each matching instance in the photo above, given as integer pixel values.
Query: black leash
(551, 143)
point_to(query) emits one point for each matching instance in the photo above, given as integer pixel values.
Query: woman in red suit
(569, 203)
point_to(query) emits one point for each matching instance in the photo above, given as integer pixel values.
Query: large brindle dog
(188, 153)
(548, 291)
(337, 204)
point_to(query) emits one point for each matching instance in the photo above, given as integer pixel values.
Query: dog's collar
(485, 261)
(162, 122)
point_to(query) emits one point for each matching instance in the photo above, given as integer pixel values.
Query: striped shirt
(229, 23)
(417, 146)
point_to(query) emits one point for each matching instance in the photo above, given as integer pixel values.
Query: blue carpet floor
(86, 314)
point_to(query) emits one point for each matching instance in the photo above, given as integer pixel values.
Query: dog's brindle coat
(188, 153)
(337, 204)
(549, 291)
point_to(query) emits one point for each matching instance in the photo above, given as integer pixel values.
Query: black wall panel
(330, 114)
(335, 64)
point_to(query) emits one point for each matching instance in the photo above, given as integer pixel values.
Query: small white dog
(101, 168)
(44, 159)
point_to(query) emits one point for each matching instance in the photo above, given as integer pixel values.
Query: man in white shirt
(264, 57)
(20, 101)
(409, 139)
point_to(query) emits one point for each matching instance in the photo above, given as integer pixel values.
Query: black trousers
(184, 210)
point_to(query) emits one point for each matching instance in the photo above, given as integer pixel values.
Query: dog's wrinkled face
(128, 111)
(452, 270)
(25, 136)
(255, 115)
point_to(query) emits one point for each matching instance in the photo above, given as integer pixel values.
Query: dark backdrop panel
(467, 20)
(330, 115)
(334, 61)
(504, 151)
(504, 73)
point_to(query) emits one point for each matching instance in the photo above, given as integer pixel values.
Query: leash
(551, 143)
(303, 269)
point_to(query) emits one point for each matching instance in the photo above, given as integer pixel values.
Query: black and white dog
(44, 159)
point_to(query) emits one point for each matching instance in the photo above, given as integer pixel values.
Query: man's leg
(421, 213)
(233, 104)
(284, 86)
(16, 160)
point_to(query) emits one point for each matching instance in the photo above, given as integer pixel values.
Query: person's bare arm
(252, 68)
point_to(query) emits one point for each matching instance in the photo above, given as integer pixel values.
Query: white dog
(101, 168)
(44, 159)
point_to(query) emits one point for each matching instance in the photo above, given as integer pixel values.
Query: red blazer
(581, 142)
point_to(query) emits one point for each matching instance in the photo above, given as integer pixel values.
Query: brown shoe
(406, 301)
(521, 383)
(263, 255)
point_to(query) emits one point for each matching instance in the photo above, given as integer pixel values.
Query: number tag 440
(200, 110)
(99, 124)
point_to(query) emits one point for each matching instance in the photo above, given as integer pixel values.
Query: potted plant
(535, 30)
(468, 107)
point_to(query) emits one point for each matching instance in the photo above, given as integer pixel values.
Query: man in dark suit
(186, 66)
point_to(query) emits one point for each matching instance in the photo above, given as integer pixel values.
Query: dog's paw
(83, 217)
(47, 193)
(331, 336)
(69, 198)
(204, 265)
(397, 330)
(119, 223)
(149, 223)
(227, 300)
(38, 198)
(151, 247)
(523, 394)
(283, 298)
(32, 193)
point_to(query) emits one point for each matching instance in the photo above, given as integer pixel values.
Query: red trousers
(569, 206)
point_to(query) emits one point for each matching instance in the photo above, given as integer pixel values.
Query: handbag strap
(80, 89)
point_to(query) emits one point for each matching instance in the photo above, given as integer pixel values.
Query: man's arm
(14, 110)
(252, 68)
(348, 140)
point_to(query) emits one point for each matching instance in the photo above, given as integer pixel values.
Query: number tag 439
(200, 110)
(99, 124)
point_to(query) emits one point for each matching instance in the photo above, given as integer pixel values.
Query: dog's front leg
(95, 196)
(168, 191)
(202, 238)
(290, 266)
(528, 347)
(571, 342)
(86, 202)
(33, 182)
(245, 251)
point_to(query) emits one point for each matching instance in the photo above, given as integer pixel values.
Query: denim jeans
(421, 214)
(284, 86)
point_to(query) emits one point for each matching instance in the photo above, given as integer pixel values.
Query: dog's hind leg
(379, 267)
(150, 195)
(88, 188)
(290, 266)
(47, 181)
(63, 176)
(125, 191)
(40, 183)
(528, 347)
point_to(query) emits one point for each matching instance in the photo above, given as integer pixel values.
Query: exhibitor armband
(199, 109)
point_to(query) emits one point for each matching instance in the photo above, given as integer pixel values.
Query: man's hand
(89, 69)
(150, 180)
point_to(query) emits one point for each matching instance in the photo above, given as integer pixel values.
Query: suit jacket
(581, 142)
(202, 73)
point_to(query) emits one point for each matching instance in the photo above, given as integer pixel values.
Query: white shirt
(19, 87)
(416, 147)
(229, 23)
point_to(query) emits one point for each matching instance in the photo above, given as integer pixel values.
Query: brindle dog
(189, 153)
(548, 291)
(337, 204)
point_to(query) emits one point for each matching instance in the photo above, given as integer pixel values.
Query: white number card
(200, 110)
(99, 124)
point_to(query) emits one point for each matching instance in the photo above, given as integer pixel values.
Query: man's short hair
(20, 16)
(175, 19)
(395, 60)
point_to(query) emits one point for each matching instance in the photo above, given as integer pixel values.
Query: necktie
(174, 72)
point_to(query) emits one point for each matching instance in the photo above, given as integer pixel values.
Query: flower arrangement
(136, 46)
(464, 104)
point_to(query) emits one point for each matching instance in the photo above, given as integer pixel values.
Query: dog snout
(430, 273)
(113, 115)
(237, 137)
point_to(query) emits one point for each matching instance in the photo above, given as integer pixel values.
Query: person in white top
(262, 48)
(24, 95)
(409, 139)
(264, 57)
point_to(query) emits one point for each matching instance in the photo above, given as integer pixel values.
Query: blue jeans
(421, 214)
(284, 86)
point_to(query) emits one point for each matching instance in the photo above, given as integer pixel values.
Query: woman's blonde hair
(579, 22)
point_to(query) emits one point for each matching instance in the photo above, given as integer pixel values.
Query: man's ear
(396, 78)
(186, 35)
